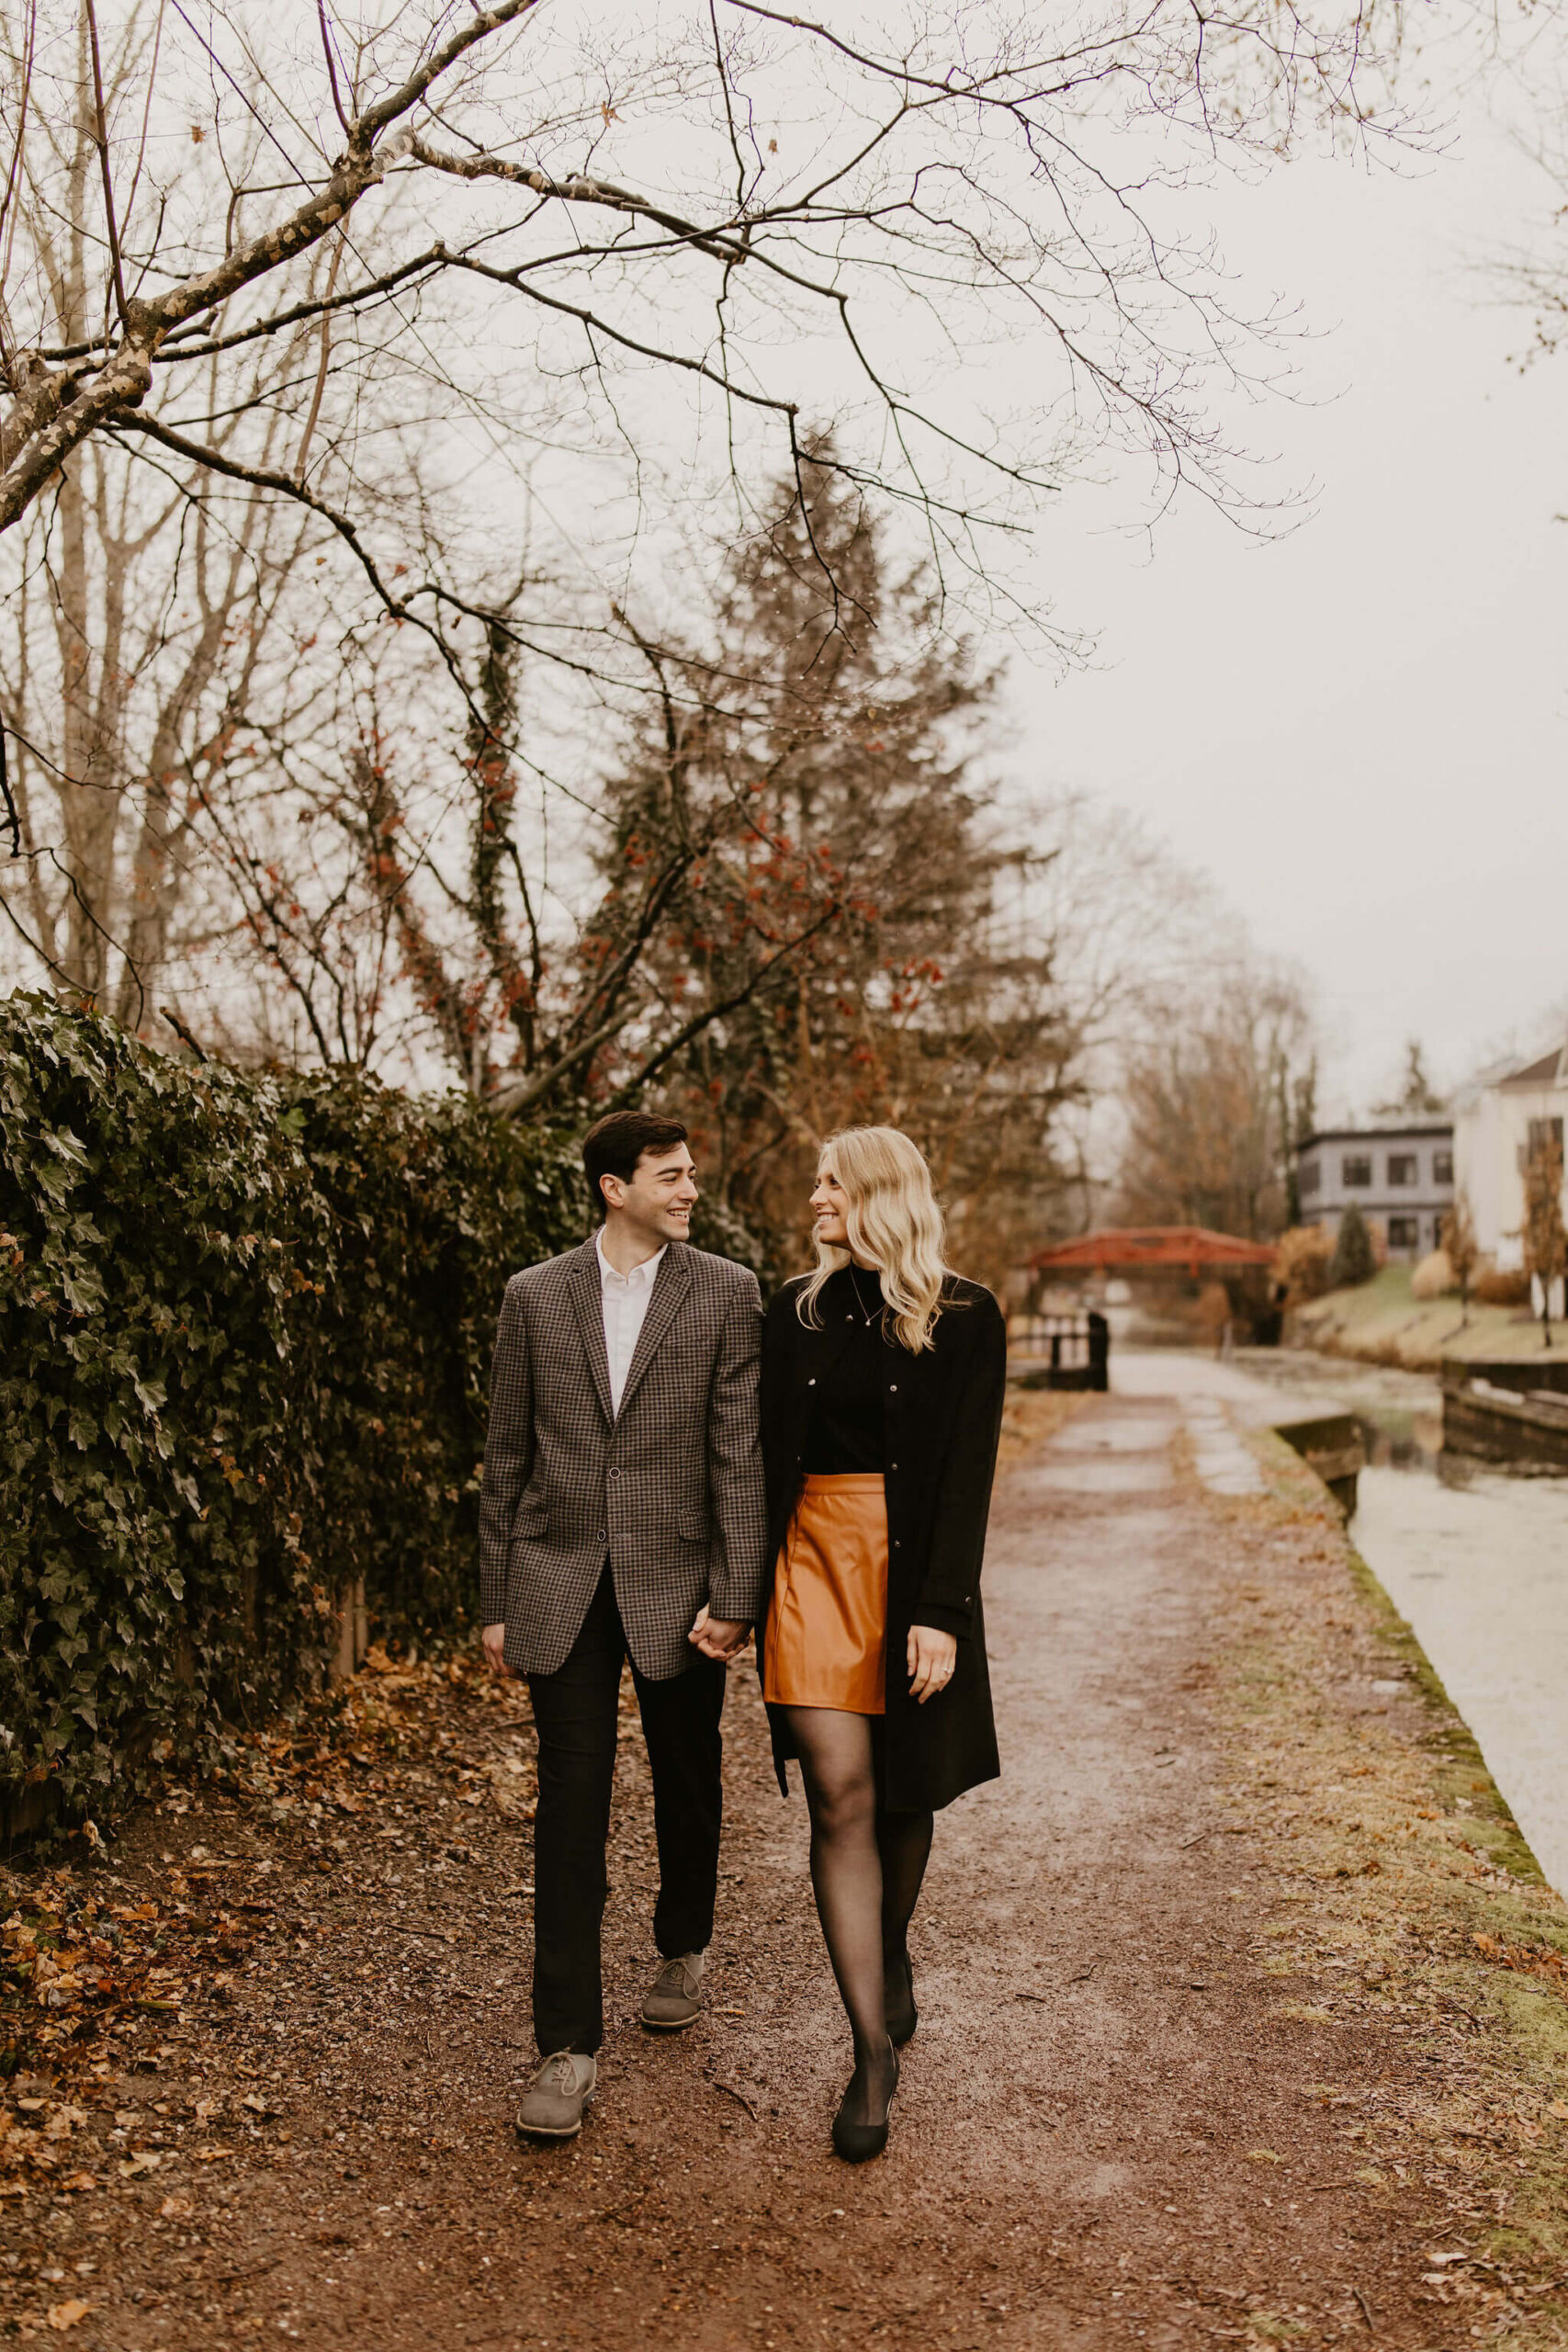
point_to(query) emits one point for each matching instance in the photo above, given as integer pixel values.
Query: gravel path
(1110, 2130)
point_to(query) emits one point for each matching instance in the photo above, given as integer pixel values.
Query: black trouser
(575, 1714)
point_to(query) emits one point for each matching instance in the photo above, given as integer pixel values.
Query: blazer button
(893, 1388)
(601, 1537)
(615, 1474)
(893, 1465)
(812, 1382)
(898, 1546)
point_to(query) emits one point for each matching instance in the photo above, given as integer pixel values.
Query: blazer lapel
(670, 1284)
(583, 1288)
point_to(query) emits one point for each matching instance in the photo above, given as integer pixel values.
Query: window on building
(1311, 1176)
(1402, 1167)
(1356, 1169)
(1404, 1233)
(1539, 1133)
(1442, 1168)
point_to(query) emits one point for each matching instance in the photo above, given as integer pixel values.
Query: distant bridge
(1122, 1249)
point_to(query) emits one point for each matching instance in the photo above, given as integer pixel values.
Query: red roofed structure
(1186, 1249)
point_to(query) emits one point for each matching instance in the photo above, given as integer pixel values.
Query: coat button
(893, 1388)
(615, 1474)
(893, 1465)
(898, 1546)
(811, 1382)
(601, 1537)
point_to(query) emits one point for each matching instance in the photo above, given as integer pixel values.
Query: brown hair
(613, 1145)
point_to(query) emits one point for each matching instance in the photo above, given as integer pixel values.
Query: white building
(1398, 1170)
(1500, 1118)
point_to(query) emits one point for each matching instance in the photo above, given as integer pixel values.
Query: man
(622, 1512)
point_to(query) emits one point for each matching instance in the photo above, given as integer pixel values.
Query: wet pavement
(1480, 1573)
(1478, 1566)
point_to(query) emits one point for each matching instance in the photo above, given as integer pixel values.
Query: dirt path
(1118, 2124)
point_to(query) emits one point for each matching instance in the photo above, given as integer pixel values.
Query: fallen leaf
(144, 2160)
(1263, 2157)
(67, 2314)
(175, 2209)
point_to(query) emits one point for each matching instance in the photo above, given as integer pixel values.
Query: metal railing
(1060, 1351)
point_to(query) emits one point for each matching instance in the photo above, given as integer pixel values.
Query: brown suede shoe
(562, 2086)
(674, 1999)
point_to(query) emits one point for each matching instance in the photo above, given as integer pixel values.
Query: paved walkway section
(1481, 1572)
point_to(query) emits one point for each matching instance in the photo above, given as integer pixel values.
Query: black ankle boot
(856, 2142)
(899, 2002)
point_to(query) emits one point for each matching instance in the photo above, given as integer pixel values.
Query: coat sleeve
(952, 1583)
(508, 1452)
(735, 1459)
(779, 1327)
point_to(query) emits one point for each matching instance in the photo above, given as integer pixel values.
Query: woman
(883, 1379)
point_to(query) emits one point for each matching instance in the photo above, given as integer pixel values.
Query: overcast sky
(1359, 732)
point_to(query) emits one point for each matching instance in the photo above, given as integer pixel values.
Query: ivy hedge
(245, 1324)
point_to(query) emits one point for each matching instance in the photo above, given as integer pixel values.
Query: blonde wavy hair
(893, 1221)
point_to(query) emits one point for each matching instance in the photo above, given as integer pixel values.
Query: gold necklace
(870, 1319)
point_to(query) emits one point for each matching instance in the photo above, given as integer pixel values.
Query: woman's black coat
(942, 1412)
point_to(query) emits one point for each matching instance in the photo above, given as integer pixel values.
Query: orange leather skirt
(827, 1630)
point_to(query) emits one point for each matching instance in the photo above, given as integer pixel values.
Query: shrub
(1302, 1262)
(1434, 1277)
(1354, 1258)
(1492, 1287)
(244, 1331)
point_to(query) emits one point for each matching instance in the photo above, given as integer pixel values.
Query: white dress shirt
(625, 1299)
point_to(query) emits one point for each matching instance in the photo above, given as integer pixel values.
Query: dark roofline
(1375, 1134)
(1539, 1076)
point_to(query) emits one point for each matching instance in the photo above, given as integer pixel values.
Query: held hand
(931, 1657)
(495, 1649)
(718, 1637)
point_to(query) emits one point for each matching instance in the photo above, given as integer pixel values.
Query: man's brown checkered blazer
(669, 1490)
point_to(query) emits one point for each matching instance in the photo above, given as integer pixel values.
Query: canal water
(1476, 1563)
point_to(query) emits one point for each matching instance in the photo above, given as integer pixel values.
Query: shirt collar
(640, 1278)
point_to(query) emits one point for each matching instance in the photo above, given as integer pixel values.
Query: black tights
(866, 1868)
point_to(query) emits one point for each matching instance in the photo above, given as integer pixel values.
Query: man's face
(662, 1195)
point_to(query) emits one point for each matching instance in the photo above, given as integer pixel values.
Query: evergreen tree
(1354, 1258)
(1416, 1098)
(841, 892)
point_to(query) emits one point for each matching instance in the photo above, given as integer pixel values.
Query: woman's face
(829, 1202)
